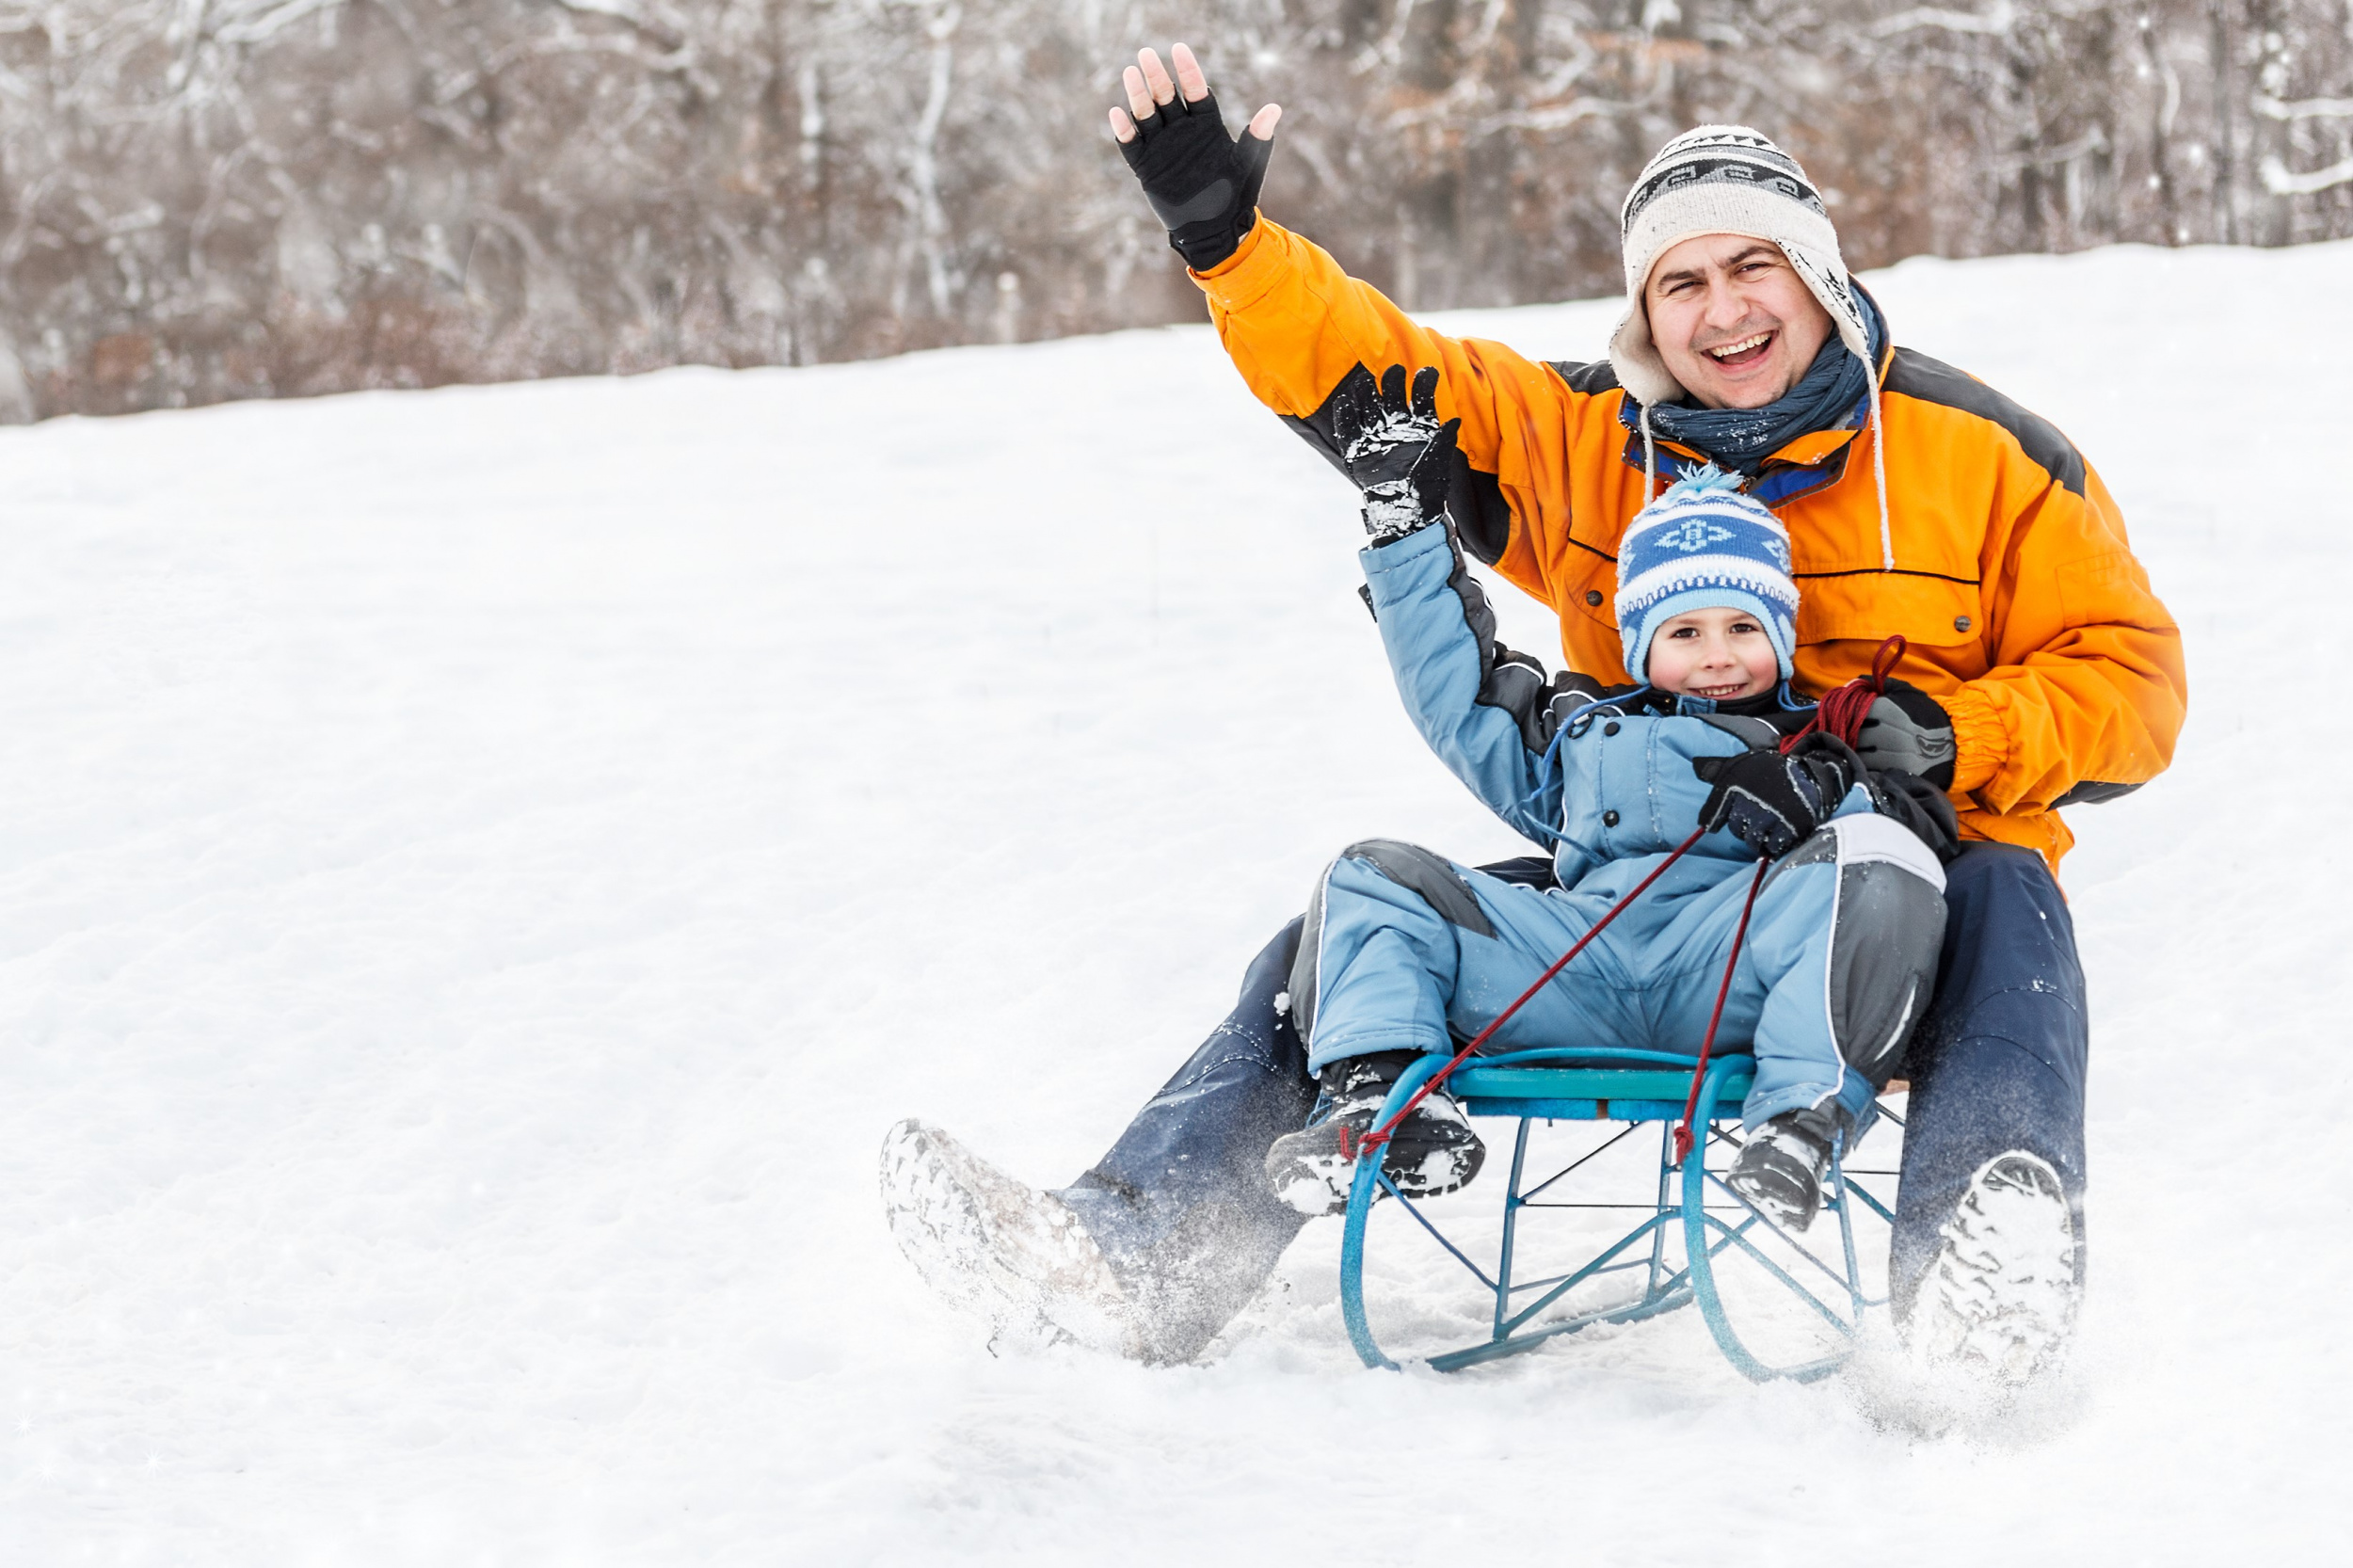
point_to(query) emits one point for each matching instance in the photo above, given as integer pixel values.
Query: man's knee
(2008, 971)
(2007, 915)
(1270, 972)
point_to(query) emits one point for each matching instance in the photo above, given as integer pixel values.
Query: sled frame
(1637, 1088)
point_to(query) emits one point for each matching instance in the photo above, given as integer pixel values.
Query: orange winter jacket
(2012, 582)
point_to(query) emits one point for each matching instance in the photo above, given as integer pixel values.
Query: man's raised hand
(1202, 183)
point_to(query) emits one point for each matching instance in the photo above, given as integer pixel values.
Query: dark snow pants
(1998, 1063)
(1180, 1205)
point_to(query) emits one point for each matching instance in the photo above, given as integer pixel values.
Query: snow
(479, 870)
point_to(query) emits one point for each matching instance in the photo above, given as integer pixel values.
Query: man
(1918, 501)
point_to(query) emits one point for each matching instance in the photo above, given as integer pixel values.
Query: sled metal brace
(1697, 1221)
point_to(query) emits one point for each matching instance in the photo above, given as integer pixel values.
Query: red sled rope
(1698, 1070)
(1843, 709)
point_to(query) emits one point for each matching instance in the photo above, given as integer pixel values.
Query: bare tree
(211, 199)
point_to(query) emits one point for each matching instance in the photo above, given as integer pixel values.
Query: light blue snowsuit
(1405, 950)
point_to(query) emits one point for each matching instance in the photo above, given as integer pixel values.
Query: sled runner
(1699, 1241)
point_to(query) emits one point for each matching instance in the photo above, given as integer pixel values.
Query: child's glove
(1908, 731)
(1202, 183)
(1771, 802)
(1395, 449)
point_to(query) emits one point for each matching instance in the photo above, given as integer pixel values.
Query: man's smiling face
(1731, 319)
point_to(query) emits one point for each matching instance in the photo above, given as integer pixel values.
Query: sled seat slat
(1585, 1093)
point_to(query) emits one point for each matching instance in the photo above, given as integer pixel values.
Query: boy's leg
(1404, 949)
(1834, 974)
(1997, 1071)
(1844, 942)
(1180, 1204)
(1376, 962)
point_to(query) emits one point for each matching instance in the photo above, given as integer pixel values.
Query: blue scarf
(1832, 395)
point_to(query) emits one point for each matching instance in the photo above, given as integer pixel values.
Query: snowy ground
(479, 870)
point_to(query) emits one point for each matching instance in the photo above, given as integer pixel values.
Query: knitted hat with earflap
(1731, 180)
(1705, 546)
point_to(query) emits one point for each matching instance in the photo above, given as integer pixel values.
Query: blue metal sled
(1715, 1226)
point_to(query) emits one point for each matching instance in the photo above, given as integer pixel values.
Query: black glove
(1919, 806)
(1202, 183)
(1394, 448)
(1772, 802)
(1908, 731)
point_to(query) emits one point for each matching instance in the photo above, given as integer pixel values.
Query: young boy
(1407, 952)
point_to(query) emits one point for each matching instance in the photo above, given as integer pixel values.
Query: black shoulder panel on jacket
(1592, 380)
(1482, 519)
(2092, 792)
(1915, 374)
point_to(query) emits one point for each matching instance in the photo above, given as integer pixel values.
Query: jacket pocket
(1928, 612)
(1593, 591)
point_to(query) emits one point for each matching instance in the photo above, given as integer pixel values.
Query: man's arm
(1307, 336)
(2088, 688)
(1299, 329)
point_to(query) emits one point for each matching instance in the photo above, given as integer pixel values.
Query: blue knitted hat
(1702, 544)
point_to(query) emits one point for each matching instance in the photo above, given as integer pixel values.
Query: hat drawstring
(1650, 463)
(1879, 473)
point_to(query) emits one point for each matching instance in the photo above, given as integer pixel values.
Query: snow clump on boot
(1999, 1300)
(1005, 1253)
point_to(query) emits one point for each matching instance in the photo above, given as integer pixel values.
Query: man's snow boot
(1999, 1300)
(1433, 1152)
(1782, 1166)
(1007, 1253)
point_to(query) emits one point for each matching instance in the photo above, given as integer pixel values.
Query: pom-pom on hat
(1704, 545)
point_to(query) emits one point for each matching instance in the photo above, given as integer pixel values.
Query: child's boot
(1781, 1168)
(1433, 1151)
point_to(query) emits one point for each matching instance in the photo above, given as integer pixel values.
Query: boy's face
(1723, 654)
